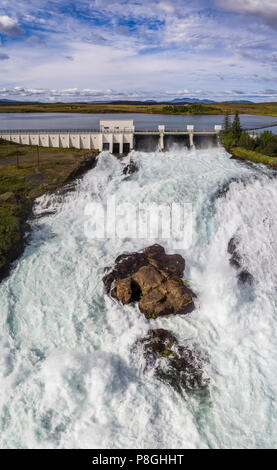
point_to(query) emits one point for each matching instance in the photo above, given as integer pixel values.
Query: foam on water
(68, 376)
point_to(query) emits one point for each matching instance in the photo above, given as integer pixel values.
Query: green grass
(14, 184)
(263, 109)
(253, 156)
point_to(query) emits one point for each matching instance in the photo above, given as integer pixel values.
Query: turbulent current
(69, 376)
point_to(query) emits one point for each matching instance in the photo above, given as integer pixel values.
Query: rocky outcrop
(130, 168)
(178, 366)
(88, 162)
(244, 276)
(153, 279)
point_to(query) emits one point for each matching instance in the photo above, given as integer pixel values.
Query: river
(69, 378)
(141, 121)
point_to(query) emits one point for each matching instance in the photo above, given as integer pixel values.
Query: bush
(246, 141)
(271, 149)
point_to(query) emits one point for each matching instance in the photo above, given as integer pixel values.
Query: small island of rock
(153, 279)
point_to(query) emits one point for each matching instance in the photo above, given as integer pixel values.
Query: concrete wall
(83, 140)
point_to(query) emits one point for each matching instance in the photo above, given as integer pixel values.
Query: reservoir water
(141, 121)
(69, 378)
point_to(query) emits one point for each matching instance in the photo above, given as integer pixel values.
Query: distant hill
(7, 102)
(128, 102)
(238, 101)
(191, 100)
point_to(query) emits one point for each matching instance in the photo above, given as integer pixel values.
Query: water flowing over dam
(69, 378)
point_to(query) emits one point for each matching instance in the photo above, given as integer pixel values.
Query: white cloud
(135, 46)
(76, 94)
(265, 9)
(168, 7)
(9, 25)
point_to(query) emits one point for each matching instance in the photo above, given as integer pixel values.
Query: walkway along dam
(117, 136)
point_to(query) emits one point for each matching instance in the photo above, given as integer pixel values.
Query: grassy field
(25, 176)
(255, 157)
(263, 109)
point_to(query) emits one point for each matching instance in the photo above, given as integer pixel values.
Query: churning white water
(69, 377)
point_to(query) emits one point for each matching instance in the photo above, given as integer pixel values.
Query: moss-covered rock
(178, 366)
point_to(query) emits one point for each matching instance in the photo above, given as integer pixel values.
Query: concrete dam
(116, 136)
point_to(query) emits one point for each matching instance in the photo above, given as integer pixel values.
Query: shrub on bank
(253, 156)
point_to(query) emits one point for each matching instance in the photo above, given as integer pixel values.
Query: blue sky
(137, 49)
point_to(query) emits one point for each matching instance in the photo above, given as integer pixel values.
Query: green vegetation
(233, 136)
(23, 177)
(260, 148)
(195, 108)
(263, 109)
(256, 157)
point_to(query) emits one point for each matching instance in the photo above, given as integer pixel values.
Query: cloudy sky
(136, 49)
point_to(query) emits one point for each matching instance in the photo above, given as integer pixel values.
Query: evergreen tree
(226, 124)
(236, 127)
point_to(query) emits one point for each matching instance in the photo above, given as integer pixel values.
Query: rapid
(69, 377)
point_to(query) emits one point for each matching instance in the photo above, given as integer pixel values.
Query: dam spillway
(116, 136)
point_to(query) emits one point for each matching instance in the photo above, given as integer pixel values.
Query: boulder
(178, 366)
(130, 168)
(232, 249)
(245, 277)
(236, 260)
(153, 279)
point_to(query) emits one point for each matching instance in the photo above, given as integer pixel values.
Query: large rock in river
(178, 366)
(153, 279)
(130, 168)
(236, 260)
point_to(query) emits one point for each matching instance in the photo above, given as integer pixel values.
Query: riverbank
(243, 154)
(26, 174)
(262, 109)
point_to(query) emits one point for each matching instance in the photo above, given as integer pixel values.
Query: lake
(141, 121)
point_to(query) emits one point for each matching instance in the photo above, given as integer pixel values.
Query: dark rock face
(178, 366)
(88, 162)
(130, 168)
(232, 249)
(153, 279)
(244, 277)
